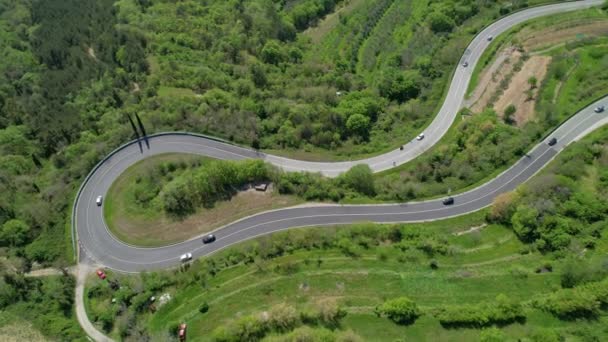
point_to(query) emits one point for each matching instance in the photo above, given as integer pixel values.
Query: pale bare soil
(91, 53)
(470, 230)
(517, 92)
(45, 272)
(491, 77)
(488, 92)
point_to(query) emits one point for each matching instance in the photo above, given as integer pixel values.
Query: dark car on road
(552, 142)
(599, 109)
(208, 238)
(448, 201)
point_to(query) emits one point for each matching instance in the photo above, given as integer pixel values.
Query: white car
(599, 109)
(185, 257)
(465, 64)
(420, 136)
(99, 200)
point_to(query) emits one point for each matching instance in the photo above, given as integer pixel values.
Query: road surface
(100, 245)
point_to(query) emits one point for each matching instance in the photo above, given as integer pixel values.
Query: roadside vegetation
(544, 82)
(264, 83)
(67, 92)
(44, 304)
(172, 197)
(73, 73)
(521, 259)
(15, 329)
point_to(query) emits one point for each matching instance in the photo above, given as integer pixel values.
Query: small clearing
(490, 78)
(317, 32)
(471, 230)
(91, 53)
(502, 85)
(51, 271)
(23, 331)
(520, 93)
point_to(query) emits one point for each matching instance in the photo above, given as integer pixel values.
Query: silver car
(185, 257)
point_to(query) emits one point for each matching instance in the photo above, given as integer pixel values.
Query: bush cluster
(400, 310)
(280, 318)
(502, 311)
(585, 301)
(203, 186)
(553, 212)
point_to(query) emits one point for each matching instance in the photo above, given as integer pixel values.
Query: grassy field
(146, 224)
(481, 265)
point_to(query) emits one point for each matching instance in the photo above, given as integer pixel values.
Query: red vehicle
(101, 274)
(181, 334)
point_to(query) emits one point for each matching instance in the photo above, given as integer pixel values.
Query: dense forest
(63, 78)
(61, 81)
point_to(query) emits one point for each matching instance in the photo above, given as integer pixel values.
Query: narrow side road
(81, 313)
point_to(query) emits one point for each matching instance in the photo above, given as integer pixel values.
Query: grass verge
(149, 226)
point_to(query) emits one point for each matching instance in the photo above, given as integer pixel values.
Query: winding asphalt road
(98, 244)
(106, 250)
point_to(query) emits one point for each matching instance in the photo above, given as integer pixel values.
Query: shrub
(348, 247)
(492, 335)
(247, 328)
(501, 311)
(580, 302)
(577, 272)
(203, 308)
(545, 335)
(330, 313)
(400, 310)
(349, 336)
(360, 178)
(508, 115)
(307, 334)
(282, 317)
(572, 304)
